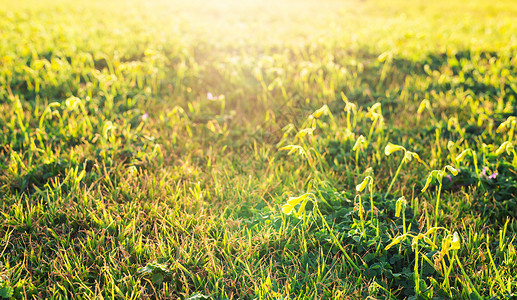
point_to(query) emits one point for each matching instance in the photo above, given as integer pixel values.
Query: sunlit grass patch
(258, 149)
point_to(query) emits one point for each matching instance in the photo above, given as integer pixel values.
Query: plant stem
(396, 174)
(417, 277)
(404, 221)
(371, 203)
(436, 210)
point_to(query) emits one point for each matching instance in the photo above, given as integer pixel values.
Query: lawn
(248, 149)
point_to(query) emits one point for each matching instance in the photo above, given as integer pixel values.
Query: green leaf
(455, 243)
(452, 170)
(360, 187)
(395, 241)
(304, 132)
(322, 111)
(6, 292)
(400, 205)
(292, 202)
(153, 267)
(429, 180)
(390, 148)
(198, 296)
(462, 155)
(157, 278)
(287, 209)
(359, 142)
(503, 147)
(425, 103)
(416, 156)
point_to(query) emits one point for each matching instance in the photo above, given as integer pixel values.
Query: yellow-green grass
(216, 149)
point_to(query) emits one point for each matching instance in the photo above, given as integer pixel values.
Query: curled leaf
(292, 202)
(304, 132)
(292, 149)
(429, 180)
(417, 157)
(360, 187)
(414, 243)
(462, 155)
(361, 140)
(425, 103)
(428, 241)
(452, 170)
(106, 128)
(455, 243)
(395, 241)
(451, 145)
(408, 157)
(384, 56)
(432, 230)
(350, 107)
(510, 122)
(390, 148)
(400, 205)
(504, 147)
(322, 111)
(287, 208)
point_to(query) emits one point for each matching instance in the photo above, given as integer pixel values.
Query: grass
(258, 150)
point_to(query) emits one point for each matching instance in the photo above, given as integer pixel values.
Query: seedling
(367, 182)
(360, 145)
(400, 207)
(350, 108)
(415, 246)
(375, 114)
(507, 147)
(509, 125)
(407, 157)
(302, 200)
(426, 105)
(473, 154)
(438, 176)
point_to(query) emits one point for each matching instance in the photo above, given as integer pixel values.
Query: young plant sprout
(472, 153)
(288, 207)
(453, 122)
(438, 175)
(510, 124)
(400, 206)
(349, 108)
(375, 114)
(360, 144)
(408, 156)
(323, 111)
(507, 147)
(426, 105)
(302, 200)
(450, 242)
(367, 182)
(415, 246)
(304, 148)
(358, 206)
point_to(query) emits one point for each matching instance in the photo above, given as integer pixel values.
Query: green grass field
(258, 149)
